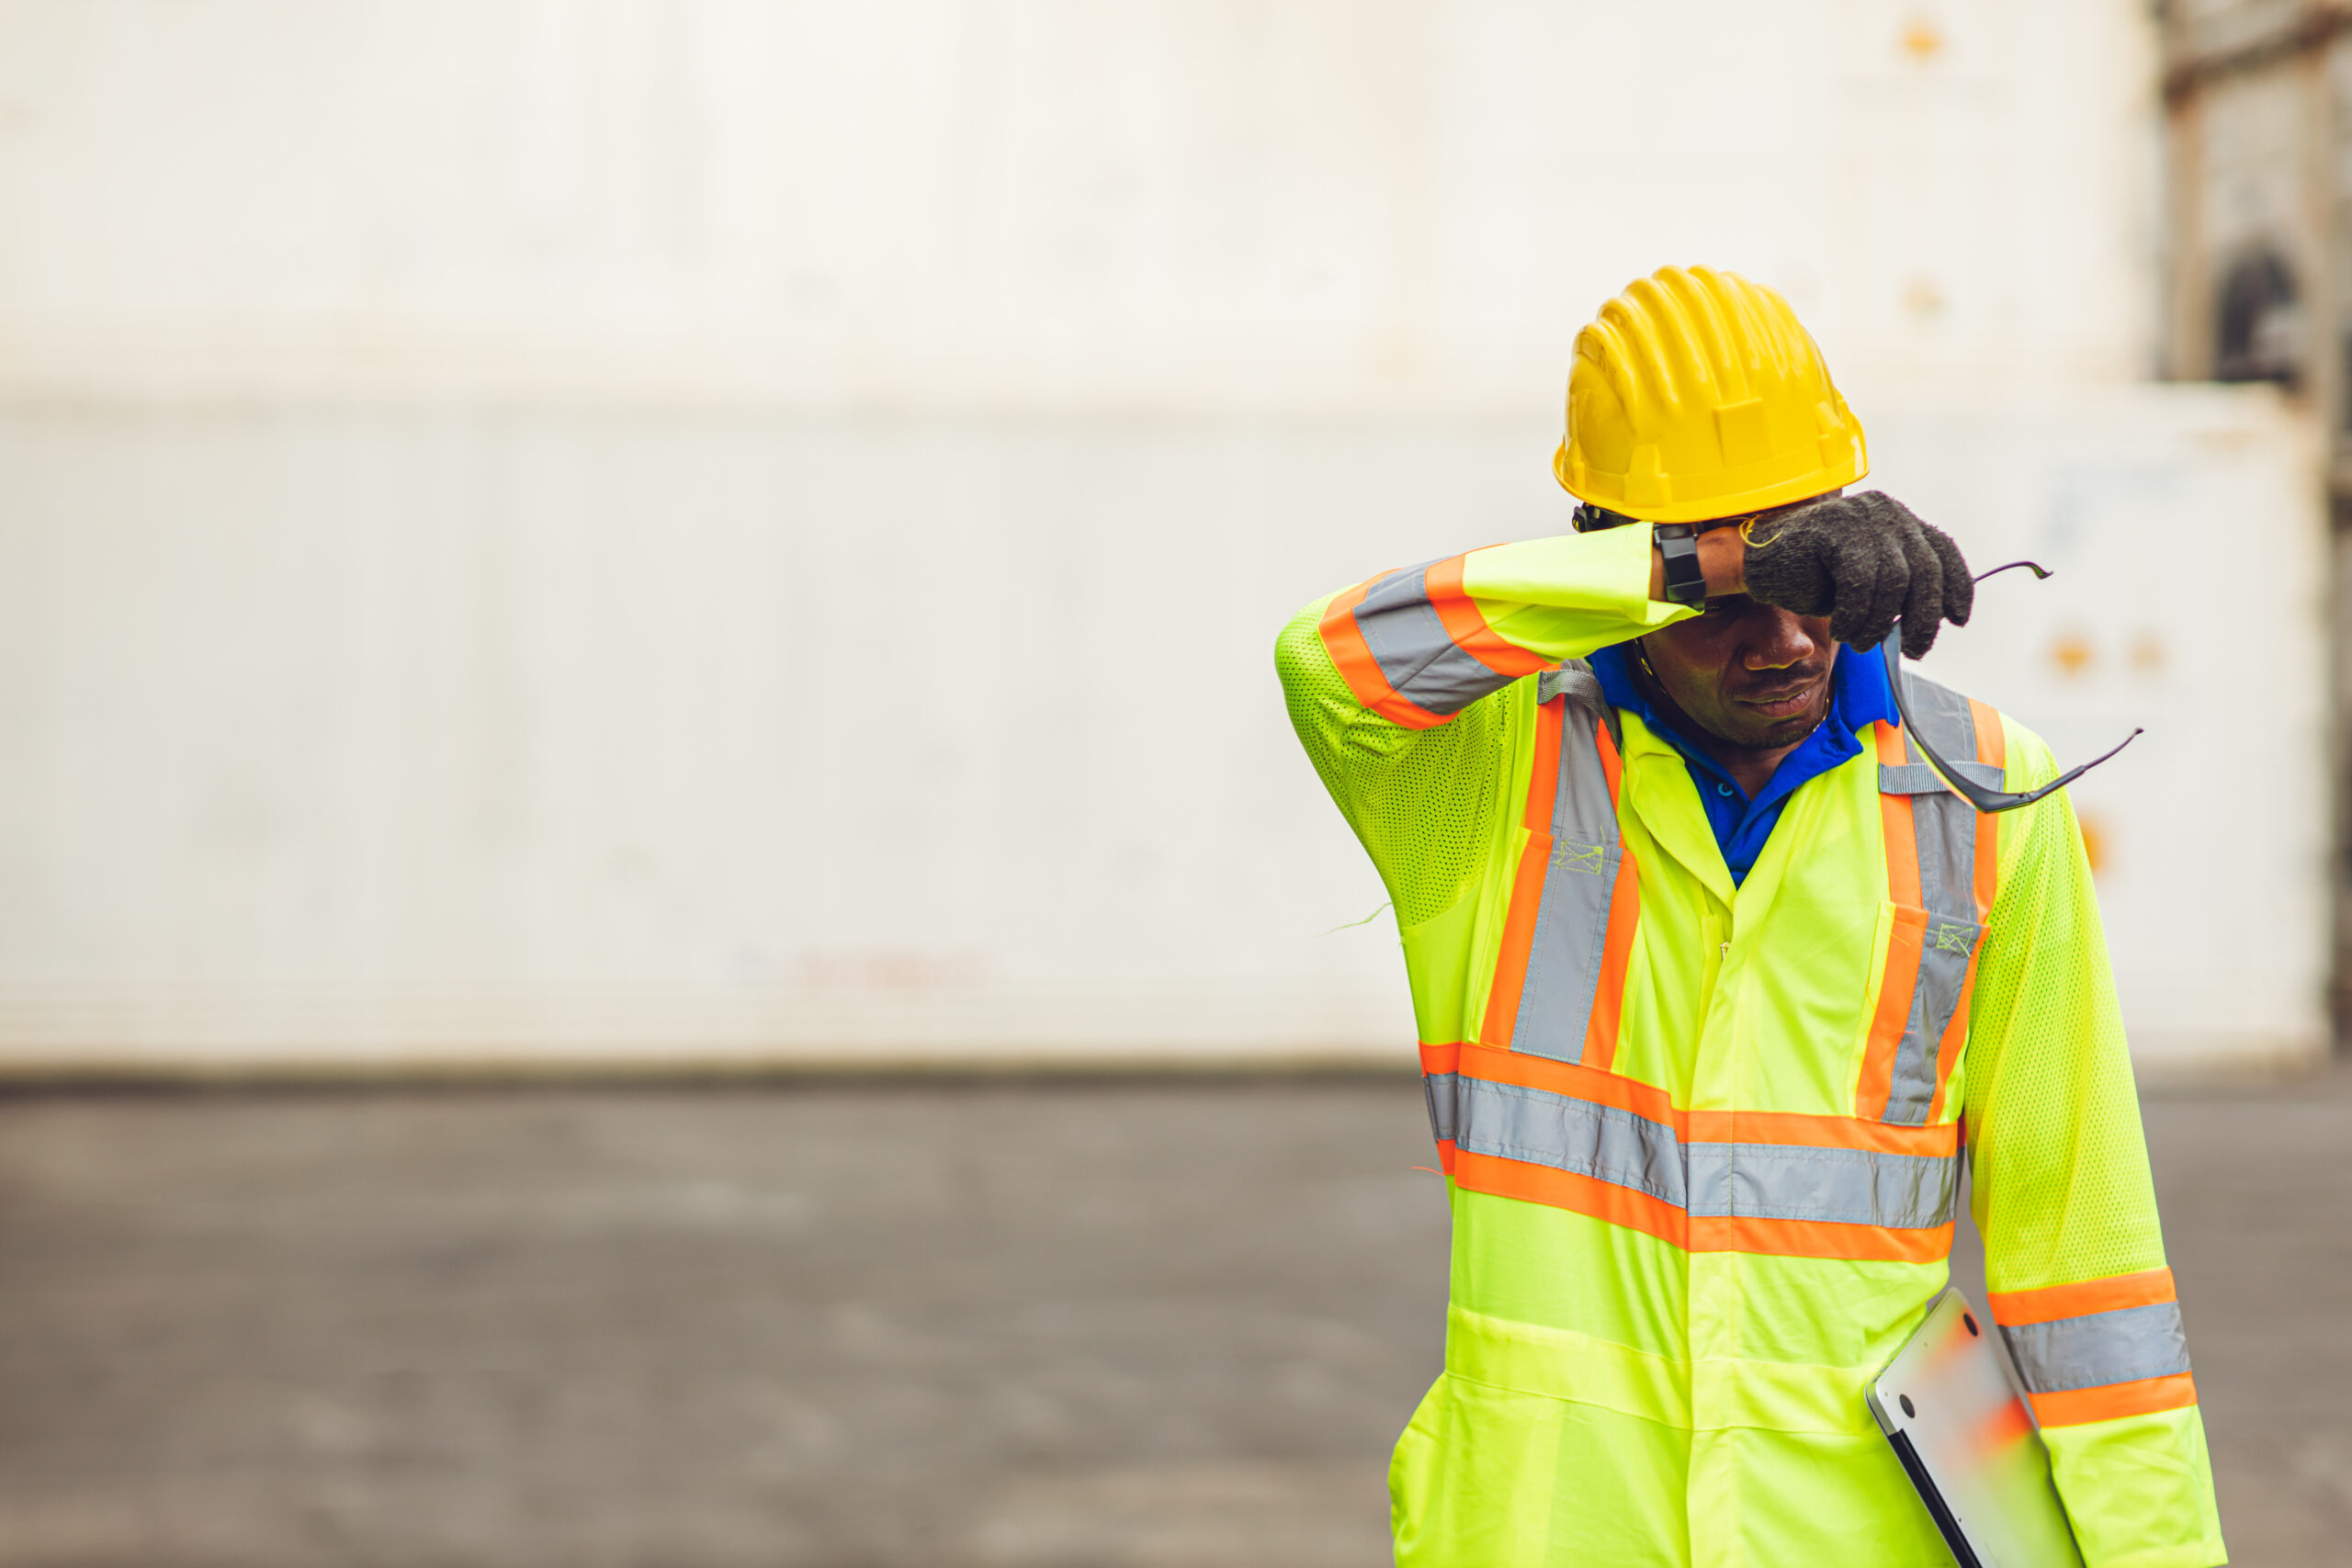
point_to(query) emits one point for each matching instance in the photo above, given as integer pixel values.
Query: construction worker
(1717, 984)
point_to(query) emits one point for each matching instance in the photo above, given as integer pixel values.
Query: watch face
(1686, 580)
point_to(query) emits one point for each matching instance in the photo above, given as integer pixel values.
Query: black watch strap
(1678, 547)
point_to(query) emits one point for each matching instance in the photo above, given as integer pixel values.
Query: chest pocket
(1942, 867)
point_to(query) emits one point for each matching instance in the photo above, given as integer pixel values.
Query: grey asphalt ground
(1157, 1324)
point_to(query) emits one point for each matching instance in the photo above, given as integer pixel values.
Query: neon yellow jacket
(1703, 1142)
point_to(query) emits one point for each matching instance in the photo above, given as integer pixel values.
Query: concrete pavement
(1056, 1325)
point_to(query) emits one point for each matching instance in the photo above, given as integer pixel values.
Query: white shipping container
(378, 738)
(659, 530)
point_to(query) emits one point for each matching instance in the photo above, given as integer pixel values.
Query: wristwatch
(1678, 547)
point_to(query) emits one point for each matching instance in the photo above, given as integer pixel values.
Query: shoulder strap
(1574, 679)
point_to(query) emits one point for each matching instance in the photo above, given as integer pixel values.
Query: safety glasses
(1976, 794)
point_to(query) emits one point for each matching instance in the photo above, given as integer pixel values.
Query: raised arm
(1418, 644)
(1388, 684)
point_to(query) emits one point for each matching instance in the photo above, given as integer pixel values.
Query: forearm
(1418, 644)
(1723, 557)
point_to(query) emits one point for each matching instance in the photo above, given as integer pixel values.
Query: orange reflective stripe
(1527, 881)
(1992, 745)
(1612, 766)
(1441, 1058)
(1518, 936)
(2080, 1406)
(1616, 957)
(1571, 1079)
(2015, 1309)
(1875, 1085)
(1821, 1238)
(1344, 640)
(1543, 773)
(1467, 626)
(1992, 748)
(1902, 838)
(1901, 978)
(1578, 1194)
(1796, 1129)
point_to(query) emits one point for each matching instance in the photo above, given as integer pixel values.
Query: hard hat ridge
(1697, 394)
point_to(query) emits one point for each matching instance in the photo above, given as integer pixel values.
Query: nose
(1776, 638)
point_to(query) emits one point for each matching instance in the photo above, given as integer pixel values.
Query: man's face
(1745, 673)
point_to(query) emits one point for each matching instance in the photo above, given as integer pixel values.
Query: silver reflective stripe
(1409, 643)
(1944, 831)
(1441, 1088)
(1946, 717)
(1572, 920)
(2099, 1347)
(1854, 1186)
(1768, 1181)
(1567, 1134)
(1944, 951)
(1563, 956)
(1918, 778)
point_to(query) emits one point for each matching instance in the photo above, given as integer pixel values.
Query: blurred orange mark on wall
(1922, 40)
(2148, 651)
(2071, 651)
(2094, 839)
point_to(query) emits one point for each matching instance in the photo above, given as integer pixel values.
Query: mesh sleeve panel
(2061, 1167)
(1421, 801)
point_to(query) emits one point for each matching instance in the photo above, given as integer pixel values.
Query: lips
(1786, 704)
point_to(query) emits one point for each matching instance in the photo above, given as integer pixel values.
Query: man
(1717, 983)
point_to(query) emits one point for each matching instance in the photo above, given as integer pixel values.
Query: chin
(1788, 731)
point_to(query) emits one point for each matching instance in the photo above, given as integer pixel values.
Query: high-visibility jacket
(1704, 1143)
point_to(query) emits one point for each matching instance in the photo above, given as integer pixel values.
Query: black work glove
(1861, 560)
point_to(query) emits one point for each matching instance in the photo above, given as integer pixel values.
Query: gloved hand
(1861, 560)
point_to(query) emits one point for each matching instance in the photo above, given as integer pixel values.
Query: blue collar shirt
(1858, 697)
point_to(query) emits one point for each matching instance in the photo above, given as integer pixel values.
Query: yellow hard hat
(1697, 395)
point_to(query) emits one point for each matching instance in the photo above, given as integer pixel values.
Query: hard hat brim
(1702, 509)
